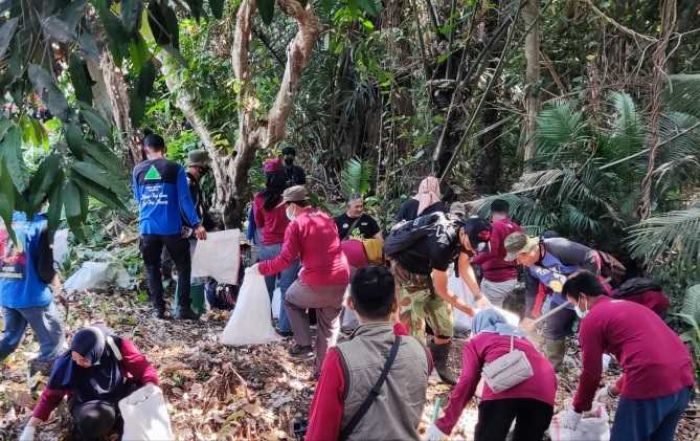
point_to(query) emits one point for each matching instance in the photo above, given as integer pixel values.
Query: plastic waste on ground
(218, 257)
(594, 426)
(251, 321)
(145, 415)
(276, 303)
(60, 246)
(97, 276)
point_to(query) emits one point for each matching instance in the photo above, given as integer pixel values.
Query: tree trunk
(658, 82)
(532, 77)
(253, 133)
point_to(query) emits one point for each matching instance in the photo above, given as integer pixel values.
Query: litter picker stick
(551, 313)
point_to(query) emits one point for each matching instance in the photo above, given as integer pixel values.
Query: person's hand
(253, 270)
(606, 395)
(28, 432)
(200, 233)
(434, 434)
(570, 419)
(467, 310)
(482, 302)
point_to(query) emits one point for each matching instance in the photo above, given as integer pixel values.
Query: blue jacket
(161, 190)
(22, 265)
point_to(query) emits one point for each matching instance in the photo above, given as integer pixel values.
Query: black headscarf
(275, 185)
(103, 380)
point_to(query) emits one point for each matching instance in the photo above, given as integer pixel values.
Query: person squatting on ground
(311, 237)
(426, 201)
(162, 193)
(499, 276)
(352, 369)
(530, 403)
(25, 295)
(548, 263)
(421, 269)
(97, 371)
(270, 215)
(657, 370)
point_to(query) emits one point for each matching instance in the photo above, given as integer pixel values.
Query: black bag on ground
(406, 233)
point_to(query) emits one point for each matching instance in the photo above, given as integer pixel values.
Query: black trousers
(179, 249)
(532, 418)
(94, 420)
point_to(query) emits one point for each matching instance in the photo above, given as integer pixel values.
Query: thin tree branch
(619, 26)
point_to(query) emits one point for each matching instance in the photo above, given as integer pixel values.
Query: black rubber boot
(441, 355)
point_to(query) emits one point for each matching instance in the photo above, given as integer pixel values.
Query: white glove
(253, 270)
(434, 434)
(605, 396)
(28, 433)
(570, 419)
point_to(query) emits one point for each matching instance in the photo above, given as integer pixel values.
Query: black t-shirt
(365, 228)
(437, 250)
(295, 175)
(409, 210)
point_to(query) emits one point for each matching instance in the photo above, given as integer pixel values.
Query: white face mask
(290, 214)
(580, 312)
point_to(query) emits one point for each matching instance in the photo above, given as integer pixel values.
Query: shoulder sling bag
(508, 370)
(373, 393)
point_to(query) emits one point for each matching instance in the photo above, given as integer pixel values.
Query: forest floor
(216, 391)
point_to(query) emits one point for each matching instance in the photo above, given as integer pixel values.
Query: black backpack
(406, 233)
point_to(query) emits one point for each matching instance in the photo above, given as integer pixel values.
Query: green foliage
(356, 177)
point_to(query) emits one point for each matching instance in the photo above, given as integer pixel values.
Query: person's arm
(302, 176)
(466, 273)
(258, 213)
(135, 363)
(135, 188)
(464, 390)
(326, 412)
(290, 252)
(185, 200)
(493, 253)
(44, 261)
(591, 341)
(573, 253)
(439, 279)
(49, 400)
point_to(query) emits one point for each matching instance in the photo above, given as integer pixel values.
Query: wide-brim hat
(296, 193)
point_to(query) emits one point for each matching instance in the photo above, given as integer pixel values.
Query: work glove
(570, 419)
(253, 270)
(28, 433)
(605, 396)
(434, 434)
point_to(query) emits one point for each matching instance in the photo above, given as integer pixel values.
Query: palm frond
(679, 157)
(691, 303)
(683, 94)
(561, 129)
(627, 135)
(672, 238)
(356, 177)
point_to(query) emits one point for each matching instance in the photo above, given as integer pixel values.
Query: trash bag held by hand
(594, 426)
(145, 415)
(251, 321)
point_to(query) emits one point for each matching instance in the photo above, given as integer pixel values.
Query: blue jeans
(649, 420)
(46, 325)
(283, 280)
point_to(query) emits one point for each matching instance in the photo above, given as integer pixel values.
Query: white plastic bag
(590, 428)
(145, 415)
(97, 275)
(276, 303)
(218, 257)
(250, 322)
(462, 322)
(60, 246)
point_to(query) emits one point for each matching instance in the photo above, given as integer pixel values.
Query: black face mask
(289, 160)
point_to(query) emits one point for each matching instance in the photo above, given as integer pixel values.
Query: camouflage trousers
(418, 305)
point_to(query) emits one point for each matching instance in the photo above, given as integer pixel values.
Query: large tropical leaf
(356, 177)
(628, 132)
(683, 94)
(7, 31)
(46, 88)
(691, 303)
(561, 129)
(11, 154)
(672, 238)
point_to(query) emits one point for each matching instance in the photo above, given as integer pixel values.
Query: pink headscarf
(428, 193)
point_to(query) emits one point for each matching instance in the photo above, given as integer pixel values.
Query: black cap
(478, 230)
(289, 150)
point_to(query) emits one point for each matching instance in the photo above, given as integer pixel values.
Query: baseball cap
(478, 230)
(198, 158)
(518, 243)
(296, 193)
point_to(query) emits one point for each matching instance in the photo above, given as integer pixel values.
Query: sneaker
(187, 314)
(284, 334)
(298, 351)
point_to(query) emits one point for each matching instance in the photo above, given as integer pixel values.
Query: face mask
(289, 160)
(290, 214)
(580, 312)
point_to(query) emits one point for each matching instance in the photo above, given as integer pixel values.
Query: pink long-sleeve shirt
(654, 360)
(492, 261)
(484, 348)
(134, 366)
(313, 237)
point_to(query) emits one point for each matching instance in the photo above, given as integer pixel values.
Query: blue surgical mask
(580, 312)
(290, 215)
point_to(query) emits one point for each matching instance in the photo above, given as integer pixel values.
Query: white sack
(218, 257)
(276, 303)
(145, 415)
(462, 321)
(60, 246)
(596, 428)
(97, 276)
(250, 323)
